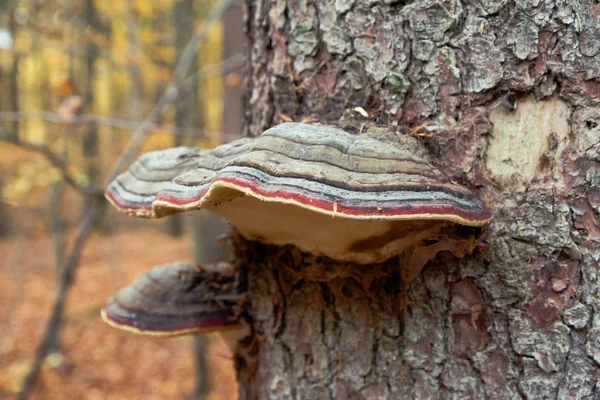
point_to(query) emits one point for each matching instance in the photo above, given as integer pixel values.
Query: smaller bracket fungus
(353, 198)
(177, 299)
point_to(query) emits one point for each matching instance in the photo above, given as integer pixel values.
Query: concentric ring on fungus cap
(353, 198)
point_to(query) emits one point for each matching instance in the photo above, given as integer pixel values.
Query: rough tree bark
(505, 97)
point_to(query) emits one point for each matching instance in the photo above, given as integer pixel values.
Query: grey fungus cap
(353, 198)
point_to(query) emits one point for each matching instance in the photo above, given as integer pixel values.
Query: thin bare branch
(67, 274)
(224, 67)
(172, 90)
(84, 119)
(54, 159)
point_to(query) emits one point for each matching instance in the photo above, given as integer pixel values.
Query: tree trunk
(14, 91)
(504, 95)
(89, 142)
(5, 226)
(188, 112)
(232, 44)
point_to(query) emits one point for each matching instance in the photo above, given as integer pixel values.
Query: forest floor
(97, 361)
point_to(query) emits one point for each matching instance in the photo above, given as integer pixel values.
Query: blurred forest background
(85, 87)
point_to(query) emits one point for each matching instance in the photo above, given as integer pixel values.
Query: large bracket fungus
(353, 198)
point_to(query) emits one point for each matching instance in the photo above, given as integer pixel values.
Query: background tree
(504, 97)
(78, 78)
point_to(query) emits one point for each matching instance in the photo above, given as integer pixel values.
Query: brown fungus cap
(350, 197)
(176, 299)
